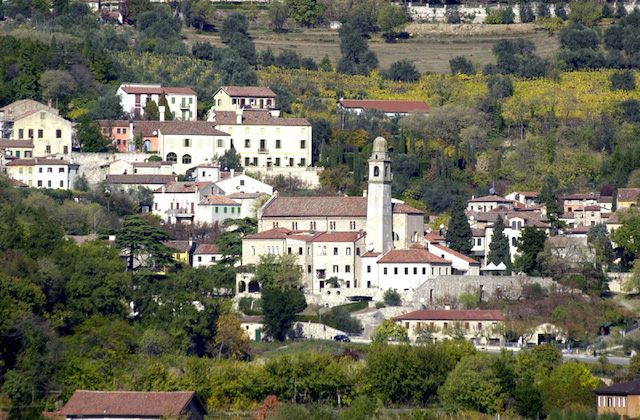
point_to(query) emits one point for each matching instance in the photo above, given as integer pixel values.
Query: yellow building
(230, 98)
(49, 133)
(622, 399)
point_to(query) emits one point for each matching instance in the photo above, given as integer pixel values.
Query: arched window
(172, 157)
(376, 171)
(186, 159)
(146, 145)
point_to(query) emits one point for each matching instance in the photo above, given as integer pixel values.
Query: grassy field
(431, 48)
(272, 349)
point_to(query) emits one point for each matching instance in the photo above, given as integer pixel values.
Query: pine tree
(151, 112)
(459, 233)
(357, 167)
(499, 246)
(322, 161)
(168, 116)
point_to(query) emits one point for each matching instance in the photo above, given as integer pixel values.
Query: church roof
(326, 207)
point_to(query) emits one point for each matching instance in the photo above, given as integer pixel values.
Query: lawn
(274, 349)
(431, 48)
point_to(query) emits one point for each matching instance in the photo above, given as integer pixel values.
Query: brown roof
(113, 123)
(140, 179)
(412, 256)
(207, 249)
(580, 230)
(370, 254)
(434, 237)
(580, 196)
(256, 117)
(251, 319)
(158, 90)
(246, 196)
(490, 199)
(146, 128)
(628, 194)
(249, 91)
(326, 207)
(222, 200)
(127, 403)
(181, 187)
(453, 315)
(37, 161)
(180, 246)
(193, 128)
(622, 388)
(456, 253)
(386, 106)
(278, 233)
(22, 144)
(152, 163)
(337, 237)
(17, 183)
(528, 194)
(593, 208)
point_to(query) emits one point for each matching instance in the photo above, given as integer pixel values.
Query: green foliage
(404, 71)
(90, 136)
(235, 22)
(624, 80)
(278, 15)
(151, 111)
(459, 233)
(306, 12)
(142, 243)
(462, 65)
(390, 330)
(530, 244)
(392, 297)
(280, 305)
(356, 56)
(501, 16)
(526, 13)
(391, 17)
(570, 383)
(499, 246)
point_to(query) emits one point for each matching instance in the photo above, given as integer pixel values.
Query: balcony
(263, 151)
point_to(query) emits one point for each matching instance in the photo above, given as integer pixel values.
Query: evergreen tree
(412, 145)
(357, 167)
(530, 244)
(499, 246)
(459, 233)
(322, 159)
(151, 112)
(168, 116)
(325, 64)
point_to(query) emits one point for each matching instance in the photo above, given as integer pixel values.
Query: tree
(461, 65)
(278, 12)
(151, 111)
(132, 9)
(231, 341)
(560, 11)
(404, 71)
(624, 80)
(202, 11)
(472, 385)
(325, 64)
(453, 15)
(57, 84)
(306, 12)
(278, 271)
(142, 242)
(530, 244)
(526, 13)
(336, 179)
(391, 17)
(356, 57)
(390, 330)
(235, 22)
(629, 230)
(499, 246)
(569, 383)
(230, 159)
(598, 240)
(280, 306)
(168, 116)
(459, 232)
(90, 136)
(392, 297)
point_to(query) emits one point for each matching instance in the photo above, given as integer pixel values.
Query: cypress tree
(323, 154)
(151, 112)
(357, 167)
(499, 246)
(412, 145)
(459, 233)
(168, 116)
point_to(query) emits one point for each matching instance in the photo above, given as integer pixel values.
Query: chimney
(50, 103)
(164, 189)
(239, 116)
(364, 193)
(447, 306)
(161, 109)
(233, 172)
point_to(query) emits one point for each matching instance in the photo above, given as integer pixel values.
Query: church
(369, 242)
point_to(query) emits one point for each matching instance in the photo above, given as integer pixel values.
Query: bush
(380, 305)
(404, 71)
(560, 11)
(392, 297)
(624, 80)
(343, 321)
(526, 13)
(462, 65)
(453, 15)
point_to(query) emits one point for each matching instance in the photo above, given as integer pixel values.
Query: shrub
(392, 297)
(453, 15)
(380, 305)
(526, 13)
(624, 80)
(462, 65)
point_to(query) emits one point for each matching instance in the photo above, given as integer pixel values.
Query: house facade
(206, 255)
(42, 126)
(44, 173)
(176, 201)
(230, 98)
(120, 132)
(622, 399)
(183, 102)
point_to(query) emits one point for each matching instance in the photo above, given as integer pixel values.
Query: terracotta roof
(127, 403)
(593, 208)
(180, 246)
(158, 90)
(528, 194)
(623, 388)
(434, 237)
(37, 161)
(256, 117)
(370, 254)
(152, 164)
(207, 249)
(113, 123)
(325, 207)
(580, 196)
(419, 246)
(221, 200)
(490, 199)
(605, 199)
(181, 187)
(22, 101)
(412, 256)
(17, 183)
(22, 144)
(279, 233)
(249, 91)
(628, 194)
(140, 179)
(614, 218)
(386, 106)
(146, 128)
(337, 237)
(251, 319)
(246, 196)
(453, 315)
(190, 128)
(580, 230)
(456, 253)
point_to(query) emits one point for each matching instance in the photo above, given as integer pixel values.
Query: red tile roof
(456, 253)
(434, 237)
(628, 194)
(17, 183)
(256, 117)
(113, 123)
(193, 128)
(326, 207)
(386, 106)
(592, 208)
(490, 199)
(181, 187)
(152, 164)
(246, 196)
(127, 403)
(528, 194)
(146, 128)
(140, 179)
(337, 237)
(580, 196)
(158, 90)
(21, 144)
(370, 254)
(411, 256)
(221, 200)
(180, 246)
(249, 91)
(37, 161)
(277, 233)
(453, 315)
(207, 249)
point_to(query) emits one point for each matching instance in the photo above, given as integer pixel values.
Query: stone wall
(617, 281)
(447, 289)
(308, 175)
(93, 165)
(311, 330)
(339, 296)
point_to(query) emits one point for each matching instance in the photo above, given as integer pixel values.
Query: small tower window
(376, 171)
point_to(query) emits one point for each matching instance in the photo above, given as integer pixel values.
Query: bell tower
(379, 211)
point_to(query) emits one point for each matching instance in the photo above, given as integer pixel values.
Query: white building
(216, 209)
(241, 183)
(43, 173)
(177, 201)
(230, 98)
(183, 102)
(206, 255)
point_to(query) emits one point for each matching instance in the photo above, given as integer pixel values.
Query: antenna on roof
(492, 191)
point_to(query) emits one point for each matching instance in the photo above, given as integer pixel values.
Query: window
(352, 225)
(118, 131)
(118, 141)
(47, 149)
(335, 250)
(246, 161)
(277, 161)
(294, 225)
(42, 115)
(312, 225)
(479, 326)
(225, 209)
(303, 162)
(290, 161)
(255, 161)
(220, 143)
(289, 250)
(335, 268)
(216, 209)
(424, 271)
(358, 252)
(278, 144)
(61, 184)
(308, 269)
(39, 183)
(304, 130)
(61, 170)
(385, 270)
(31, 133)
(261, 130)
(275, 225)
(40, 170)
(40, 133)
(376, 171)
(322, 250)
(406, 270)
(513, 241)
(21, 133)
(49, 184)
(172, 157)
(49, 170)
(479, 241)
(173, 100)
(247, 143)
(187, 143)
(415, 270)
(395, 270)
(59, 133)
(190, 101)
(124, 131)
(332, 225)
(348, 250)
(246, 130)
(303, 144)
(242, 182)
(368, 269)
(299, 250)
(65, 150)
(186, 159)
(347, 268)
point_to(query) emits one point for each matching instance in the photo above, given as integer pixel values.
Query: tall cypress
(357, 166)
(323, 154)
(168, 116)
(499, 246)
(459, 233)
